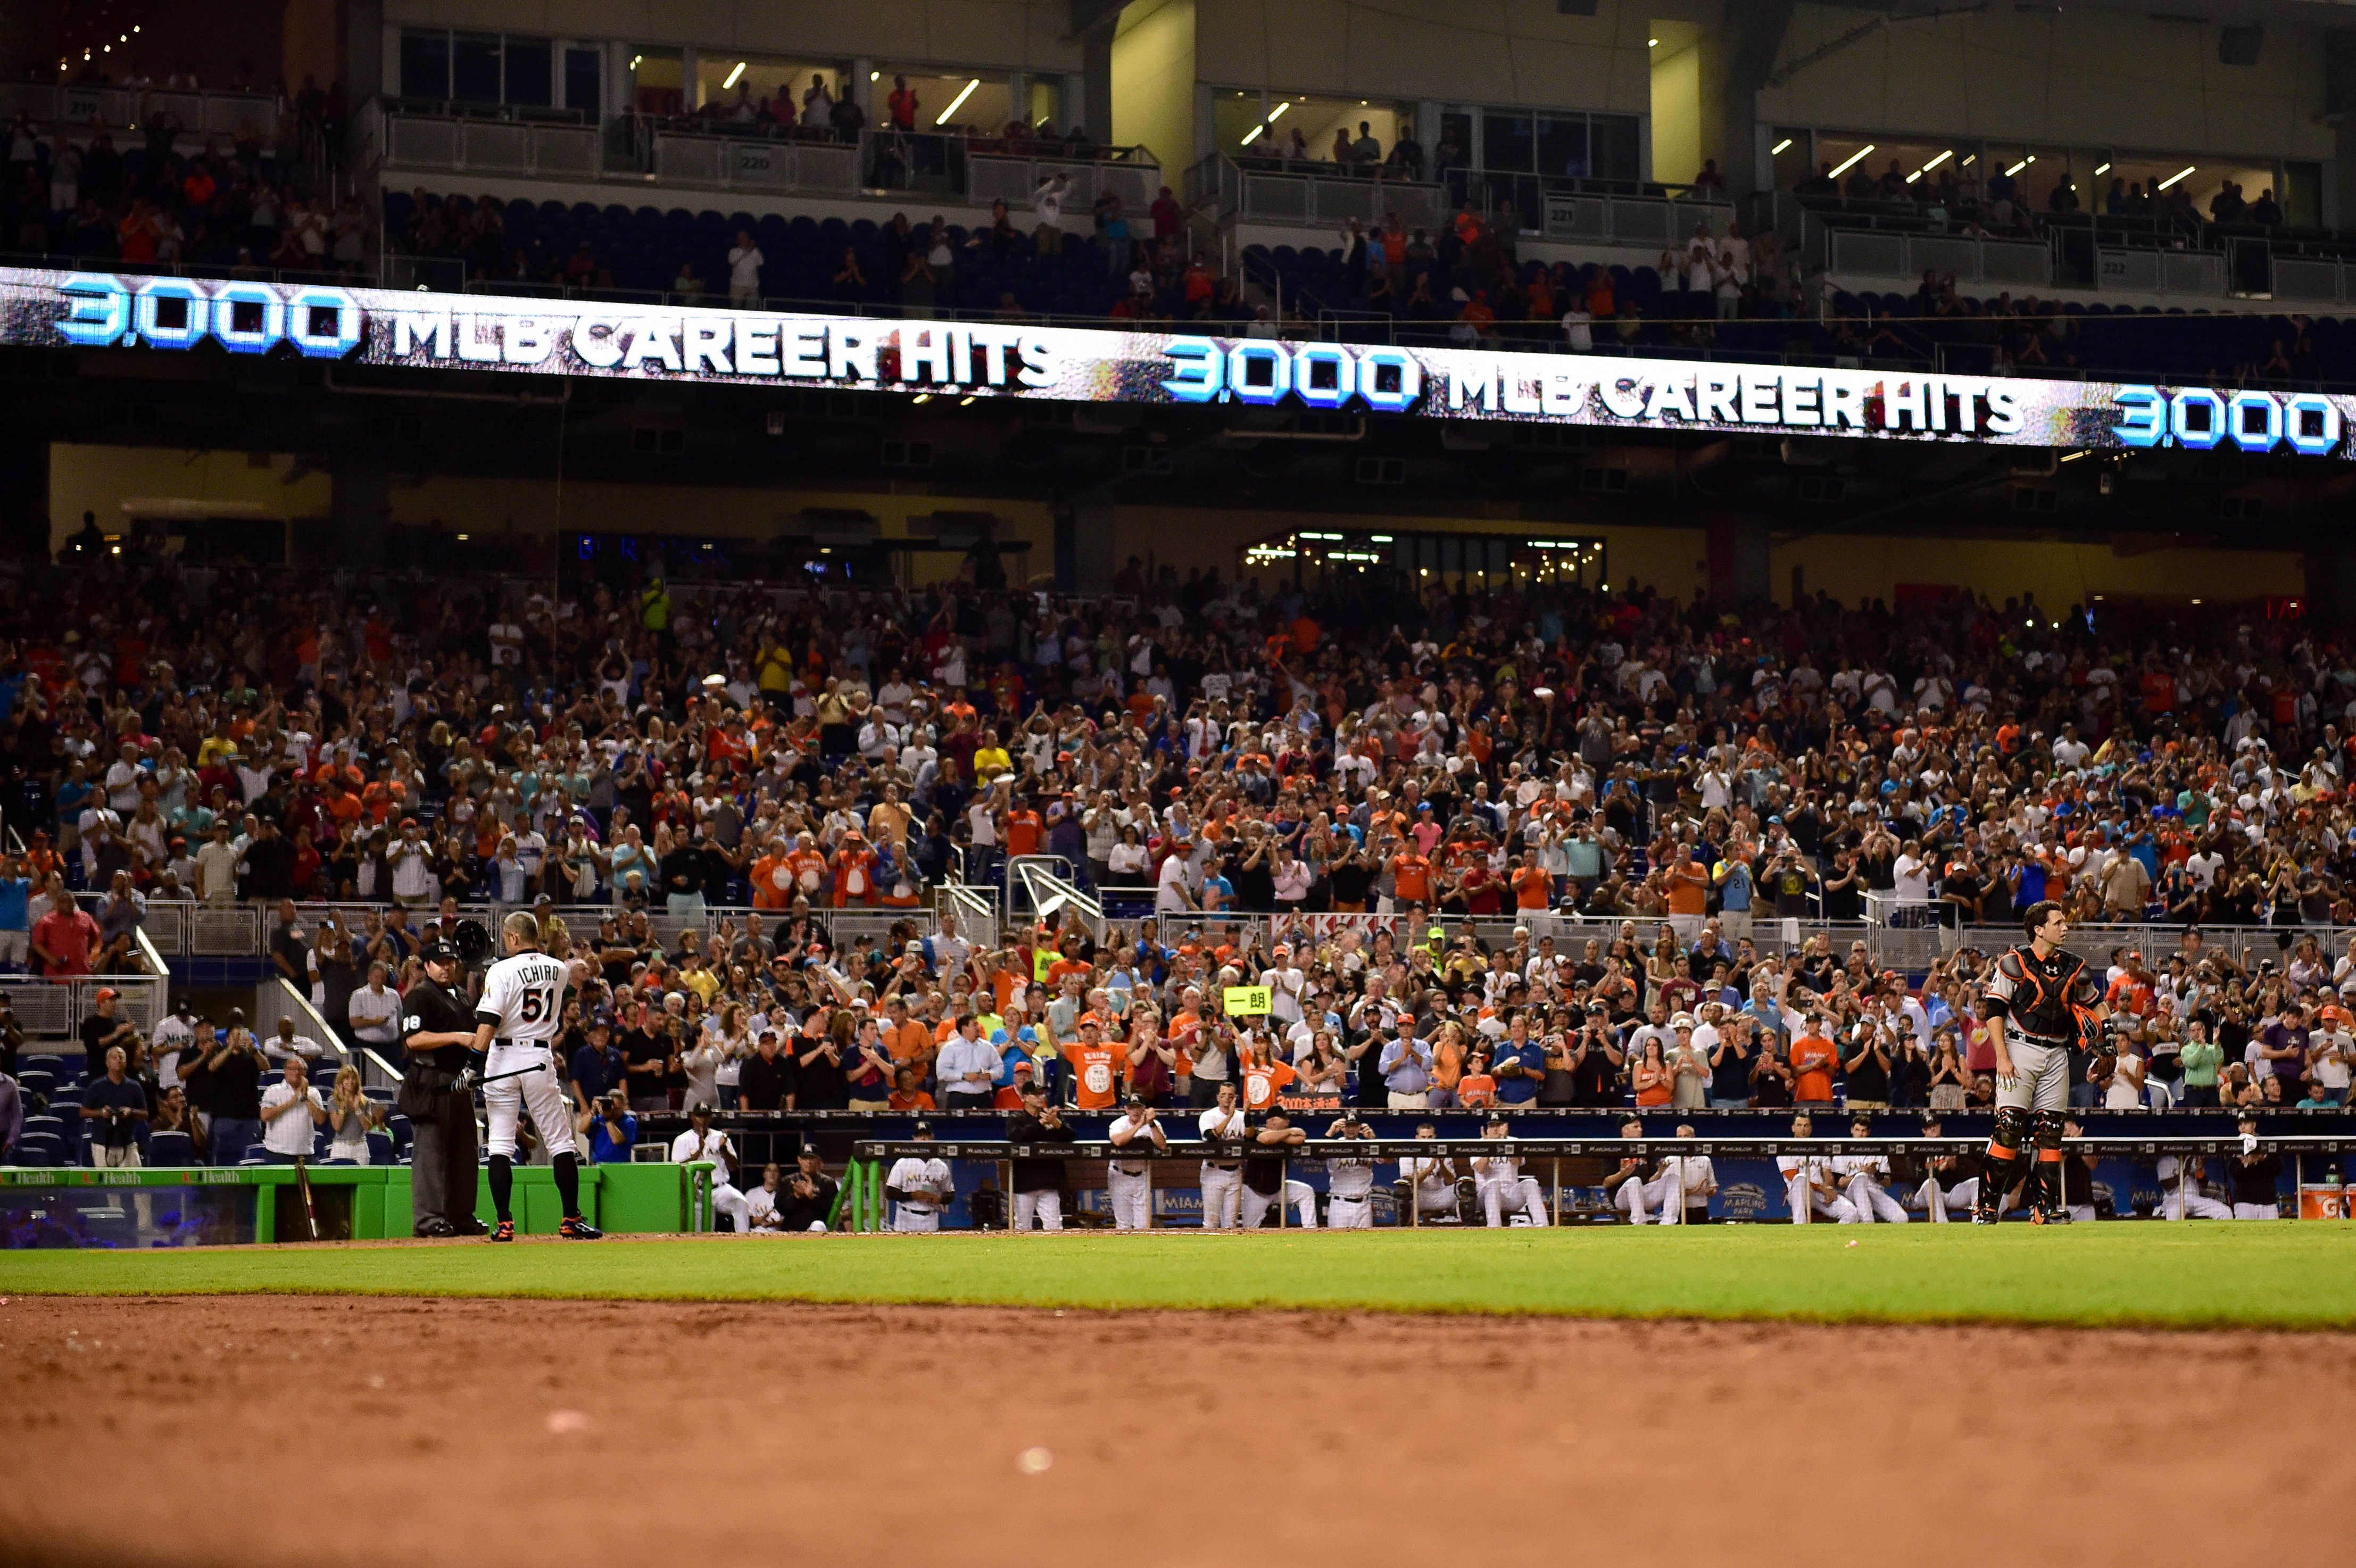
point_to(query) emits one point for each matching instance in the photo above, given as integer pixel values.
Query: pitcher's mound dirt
(261, 1431)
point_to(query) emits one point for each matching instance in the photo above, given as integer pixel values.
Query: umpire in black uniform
(437, 1027)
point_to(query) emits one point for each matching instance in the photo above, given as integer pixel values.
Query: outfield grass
(2289, 1275)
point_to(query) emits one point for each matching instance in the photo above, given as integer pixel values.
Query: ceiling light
(2102, 168)
(1252, 135)
(1652, 43)
(2017, 167)
(2179, 174)
(1278, 110)
(875, 76)
(735, 75)
(1852, 161)
(635, 59)
(965, 402)
(1778, 146)
(924, 397)
(957, 102)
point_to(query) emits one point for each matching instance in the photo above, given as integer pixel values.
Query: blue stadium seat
(168, 1149)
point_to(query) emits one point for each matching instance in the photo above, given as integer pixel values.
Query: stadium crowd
(1526, 847)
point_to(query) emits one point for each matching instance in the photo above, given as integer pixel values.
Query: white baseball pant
(2084, 1213)
(1502, 1197)
(505, 1101)
(1133, 1198)
(1349, 1211)
(1808, 1202)
(2256, 1211)
(1957, 1199)
(2176, 1203)
(727, 1199)
(1047, 1204)
(2041, 1080)
(1299, 1194)
(1221, 1184)
(1639, 1199)
(1871, 1202)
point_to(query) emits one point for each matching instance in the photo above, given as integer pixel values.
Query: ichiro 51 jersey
(523, 998)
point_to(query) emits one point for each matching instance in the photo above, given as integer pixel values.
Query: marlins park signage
(914, 358)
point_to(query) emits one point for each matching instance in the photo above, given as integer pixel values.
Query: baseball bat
(302, 1180)
(520, 1072)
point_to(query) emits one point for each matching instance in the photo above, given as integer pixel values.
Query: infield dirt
(268, 1431)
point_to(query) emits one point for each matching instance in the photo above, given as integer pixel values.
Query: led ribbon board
(914, 358)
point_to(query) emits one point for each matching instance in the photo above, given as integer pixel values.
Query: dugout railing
(865, 1203)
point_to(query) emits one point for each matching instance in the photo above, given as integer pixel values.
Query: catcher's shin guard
(2043, 1197)
(2003, 1163)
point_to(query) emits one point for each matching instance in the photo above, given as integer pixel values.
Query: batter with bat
(516, 1023)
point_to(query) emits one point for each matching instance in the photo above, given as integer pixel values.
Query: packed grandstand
(1591, 849)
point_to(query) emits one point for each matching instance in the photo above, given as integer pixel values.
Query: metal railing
(176, 929)
(127, 108)
(1871, 252)
(1014, 180)
(464, 146)
(278, 998)
(728, 163)
(1312, 200)
(1631, 220)
(1042, 886)
(976, 912)
(880, 162)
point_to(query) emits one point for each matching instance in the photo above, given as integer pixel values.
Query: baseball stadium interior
(1162, 587)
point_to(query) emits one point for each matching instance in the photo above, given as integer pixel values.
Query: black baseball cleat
(435, 1228)
(578, 1230)
(470, 1226)
(503, 1231)
(2050, 1217)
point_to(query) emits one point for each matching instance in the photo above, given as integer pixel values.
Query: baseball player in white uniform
(516, 1023)
(1499, 1180)
(1130, 1182)
(1691, 1180)
(1640, 1196)
(1811, 1183)
(699, 1143)
(1223, 1179)
(1438, 1188)
(1865, 1178)
(1944, 1189)
(919, 1188)
(1350, 1183)
(2180, 1194)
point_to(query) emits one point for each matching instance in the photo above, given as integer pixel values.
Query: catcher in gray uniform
(2040, 1000)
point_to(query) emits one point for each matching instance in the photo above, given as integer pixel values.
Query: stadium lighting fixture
(959, 102)
(922, 397)
(1969, 159)
(1652, 43)
(635, 61)
(2101, 169)
(2017, 167)
(966, 402)
(1854, 159)
(1278, 111)
(1379, 538)
(875, 76)
(1778, 146)
(735, 76)
(2179, 174)
(1252, 135)
(1934, 163)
